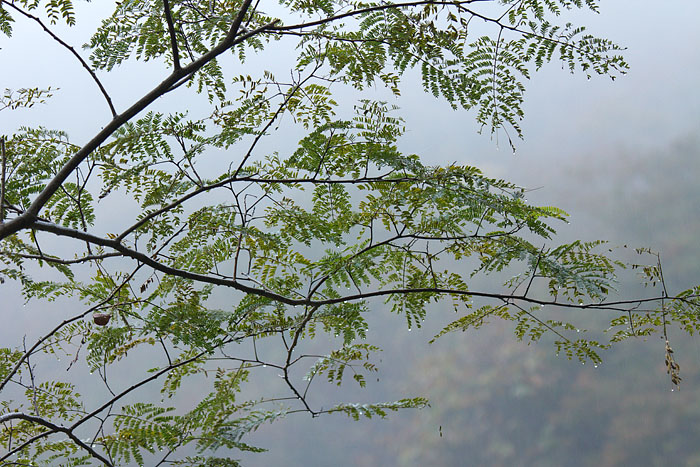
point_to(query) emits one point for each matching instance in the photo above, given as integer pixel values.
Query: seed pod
(101, 319)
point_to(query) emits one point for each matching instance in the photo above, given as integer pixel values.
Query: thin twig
(534, 270)
(171, 31)
(2, 180)
(57, 260)
(70, 49)
(290, 351)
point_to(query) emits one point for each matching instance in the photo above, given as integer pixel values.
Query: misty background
(621, 157)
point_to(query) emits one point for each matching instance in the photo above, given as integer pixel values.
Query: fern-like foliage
(229, 257)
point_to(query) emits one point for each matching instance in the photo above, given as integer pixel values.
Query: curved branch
(617, 305)
(385, 6)
(458, 4)
(29, 217)
(149, 261)
(254, 179)
(70, 49)
(288, 363)
(55, 429)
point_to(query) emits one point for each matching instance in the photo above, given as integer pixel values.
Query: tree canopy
(223, 246)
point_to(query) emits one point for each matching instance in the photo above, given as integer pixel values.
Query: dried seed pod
(672, 368)
(101, 319)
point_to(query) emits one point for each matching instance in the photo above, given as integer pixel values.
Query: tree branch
(171, 31)
(55, 429)
(360, 11)
(57, 260)
(288, 363)
(458, 4)
(2, 179)
(149, 261)
(232, 283)
(26, 219)
(70, 49)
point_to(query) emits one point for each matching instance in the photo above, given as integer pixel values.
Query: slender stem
(57, 260)
(534, 270)
(2, 179)
(171, 31)
(70, 49)
(300, 329)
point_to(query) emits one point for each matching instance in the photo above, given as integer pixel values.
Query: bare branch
(70, 49)
(171, 31)
(2, 179)
(361, 11)
(288, 363)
